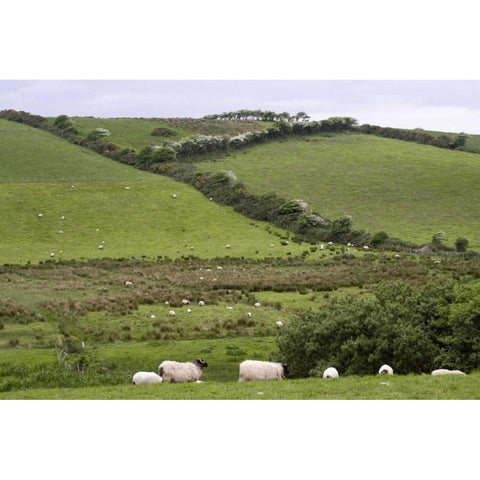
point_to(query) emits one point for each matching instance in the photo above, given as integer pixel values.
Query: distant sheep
(100, 247)
(171, 313)
(201, 303)
(229, 308)
(127, 188)
(385, 369)
(189, 310)
(444, 371)
(249, 314)
(330, 372)
(128, 283)
(256, 304)
(146, 377)
(253, 370)
(227, 245)
(185, 302)
(173, 195)
(40, 215)
(178, 372)
(279, 324)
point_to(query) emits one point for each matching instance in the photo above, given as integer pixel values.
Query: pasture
(111, 210)
(408, 190)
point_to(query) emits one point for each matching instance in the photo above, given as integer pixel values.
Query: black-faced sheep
(180, 372)
(385, 369)
(253, 370)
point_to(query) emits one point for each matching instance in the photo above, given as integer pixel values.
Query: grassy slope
(38, 171)
(135, 132)
(410, 191)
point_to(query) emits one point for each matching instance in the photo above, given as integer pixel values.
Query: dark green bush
(413, 330)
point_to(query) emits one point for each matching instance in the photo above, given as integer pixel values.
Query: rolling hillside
(135, 132)
(410, 191)
(42, 174)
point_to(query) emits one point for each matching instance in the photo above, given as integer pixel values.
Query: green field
(175, 248)
(135, 132)
(410, 191)
(44, 174)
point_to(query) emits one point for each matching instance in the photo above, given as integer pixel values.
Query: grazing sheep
(152, 316)
(128, 283)
(256, 304)
(52, 254)
(63, 217)
(40, 215)
(189, 310)
(253, 370)
(229, 308)
(127, 188)
(249, 314)
(444, 371)
(279, 324)
(385, 369)
(178, 372)
(201, 303)
(173, 195)
(219, 268)
(146, 377)
(100, 247)
(185, 302)
(330, 372)
(227, 245)
(171, 313)
(366, 247)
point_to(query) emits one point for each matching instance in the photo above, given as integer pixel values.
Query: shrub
(413, 330)
(162, 132)
(461, 244)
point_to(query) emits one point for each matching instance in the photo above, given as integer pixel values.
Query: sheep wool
(181, 372)
(385, 369)
(444, 371)
(146, 377)
(330, 372)
(252, 370)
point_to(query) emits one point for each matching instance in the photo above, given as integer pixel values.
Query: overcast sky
(444, 105)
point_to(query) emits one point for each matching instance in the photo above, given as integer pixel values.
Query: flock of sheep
(250, 370)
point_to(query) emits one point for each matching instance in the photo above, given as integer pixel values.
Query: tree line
(259, 115)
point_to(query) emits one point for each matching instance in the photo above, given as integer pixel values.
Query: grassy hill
(135, 132)
(410, 191)
(43, 174)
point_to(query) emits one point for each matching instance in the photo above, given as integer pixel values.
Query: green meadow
(102, 223)
(408, 190)
(124, 211)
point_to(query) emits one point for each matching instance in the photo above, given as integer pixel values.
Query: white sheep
(219, 267)
(189, 310)
(128, 283)
(229, 308)
(444, 371)
(279, 324)
(201, 303)
(171, 313)
(249, 314)
(100, 247)
(385, 369)
(256, 304)
(185, 302)
(330, 372)
(153, 316)
(179, 372)
(146, 377)
(127, 188)
(253, 370)
(52, 254)
(167, 302)
(173, 195)
(40, 215)
(227, 245)
(63, 217)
